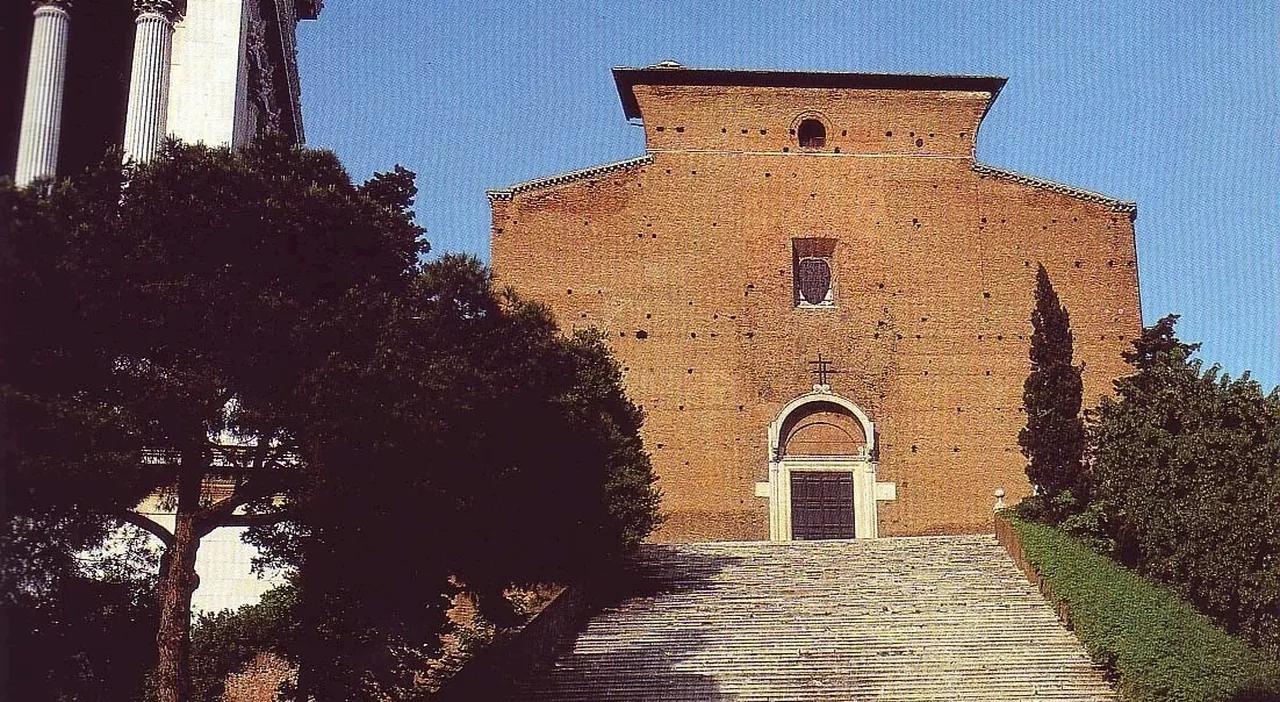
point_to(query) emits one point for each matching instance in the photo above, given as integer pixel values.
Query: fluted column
(148, 111)
(42, 105)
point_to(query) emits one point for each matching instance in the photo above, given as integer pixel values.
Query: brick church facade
(779, 218)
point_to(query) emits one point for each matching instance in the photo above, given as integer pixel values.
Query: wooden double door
(822, 505)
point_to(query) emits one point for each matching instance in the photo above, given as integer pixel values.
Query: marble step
(932, 618)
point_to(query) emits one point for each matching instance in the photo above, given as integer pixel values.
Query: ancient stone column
(145, 119)
(42, 106)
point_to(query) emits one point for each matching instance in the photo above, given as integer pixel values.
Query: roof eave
(1111, 203)
(505, 194)
(626, 78)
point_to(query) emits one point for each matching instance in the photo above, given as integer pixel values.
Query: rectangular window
(813, 272)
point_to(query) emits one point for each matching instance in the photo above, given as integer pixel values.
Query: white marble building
(211, 71)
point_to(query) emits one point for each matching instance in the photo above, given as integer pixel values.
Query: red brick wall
(764, 119)
(933, 271)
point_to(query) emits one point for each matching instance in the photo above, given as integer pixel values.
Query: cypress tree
(1053, 440)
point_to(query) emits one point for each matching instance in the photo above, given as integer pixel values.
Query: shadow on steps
(520, 661)
(627, 673)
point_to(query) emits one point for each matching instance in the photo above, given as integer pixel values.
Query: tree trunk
(179, 581)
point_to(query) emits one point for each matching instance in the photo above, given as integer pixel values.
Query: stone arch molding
(867, 491)
(811, 114)
(819, 395)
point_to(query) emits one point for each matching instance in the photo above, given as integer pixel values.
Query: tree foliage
(1187, 468)
(166, 313)
(68, 633)
(1053, 440)
(396, 430)
(511, 456)
(225, 642)
(72, 632)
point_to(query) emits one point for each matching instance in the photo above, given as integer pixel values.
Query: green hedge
(1158, 646)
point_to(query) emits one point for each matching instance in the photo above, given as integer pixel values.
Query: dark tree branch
(260, 453)
(130, 517)
(212, 516)
(250, 520)
(257, 457)
(257, 487)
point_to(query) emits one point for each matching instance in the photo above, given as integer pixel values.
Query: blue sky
(1174, 105)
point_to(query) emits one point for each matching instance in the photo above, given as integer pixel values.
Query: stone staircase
(930, 618)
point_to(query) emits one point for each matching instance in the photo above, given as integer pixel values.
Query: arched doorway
(822, 472)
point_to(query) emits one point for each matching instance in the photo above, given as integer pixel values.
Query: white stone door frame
(866, 490)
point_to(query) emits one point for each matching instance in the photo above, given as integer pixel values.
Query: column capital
(169, 9)
(64, 5)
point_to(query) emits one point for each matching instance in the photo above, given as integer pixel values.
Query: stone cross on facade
(822, 368)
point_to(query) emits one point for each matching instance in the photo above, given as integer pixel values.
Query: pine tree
(389, 421)
(1053, 440)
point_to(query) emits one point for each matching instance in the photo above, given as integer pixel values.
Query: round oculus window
(811, 134)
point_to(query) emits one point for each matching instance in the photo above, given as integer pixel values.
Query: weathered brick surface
(685, 261)
(881, 122)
